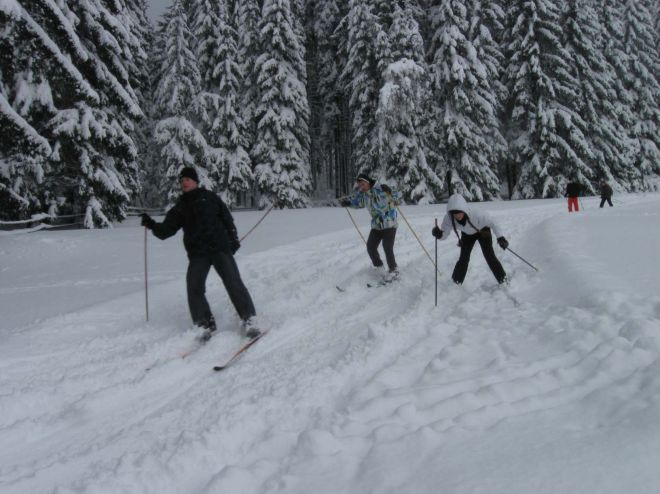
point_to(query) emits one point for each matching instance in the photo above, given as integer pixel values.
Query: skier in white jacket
(475, 226)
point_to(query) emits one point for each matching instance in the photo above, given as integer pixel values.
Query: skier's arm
(228, 221)
(392, 195)
(357, 200)
(446, 228)
(170, 225)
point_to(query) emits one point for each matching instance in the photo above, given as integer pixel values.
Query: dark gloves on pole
(436, 232)
(344, 201)
(147, 221)
(503, 243)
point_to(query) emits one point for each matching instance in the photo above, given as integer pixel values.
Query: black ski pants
(225, 266)
(387, 237)
(608, 199)
(485, 239)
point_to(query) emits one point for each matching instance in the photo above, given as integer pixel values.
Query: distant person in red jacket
(573, 192)
(605, 193)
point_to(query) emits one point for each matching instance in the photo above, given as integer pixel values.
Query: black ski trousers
(387, 237)
(608, 199)
(485, 239)
(225, 266)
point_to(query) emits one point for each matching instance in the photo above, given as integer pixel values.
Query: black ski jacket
(207, 224)
(605, 191)
(573, 189)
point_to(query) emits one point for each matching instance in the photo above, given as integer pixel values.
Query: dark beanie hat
(366, 178)
(189, 172)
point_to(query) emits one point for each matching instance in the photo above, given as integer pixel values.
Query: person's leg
(609, 201)
(570, 204)
(602, 201)
(486, 243)
(388, 245)
(198, 270)
(375, 237)
(225, 265)
(460, 270)
(576, 203)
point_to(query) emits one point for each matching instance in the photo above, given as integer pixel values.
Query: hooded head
(457, 203)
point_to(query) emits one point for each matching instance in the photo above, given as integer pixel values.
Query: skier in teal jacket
(381, 201)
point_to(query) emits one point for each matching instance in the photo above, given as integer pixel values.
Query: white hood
(477, 220)
(457, 203)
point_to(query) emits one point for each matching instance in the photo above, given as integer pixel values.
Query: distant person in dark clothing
(573, 192)
(605, 193)
(210, 238)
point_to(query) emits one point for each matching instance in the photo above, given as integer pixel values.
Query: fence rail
(43, 222)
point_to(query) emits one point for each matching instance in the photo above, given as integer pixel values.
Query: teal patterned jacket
(381, 207)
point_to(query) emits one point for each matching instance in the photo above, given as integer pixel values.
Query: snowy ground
(368, 391)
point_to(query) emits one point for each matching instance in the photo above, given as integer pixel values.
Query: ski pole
(258, 222)
(523, 260)
(581, 205)
(146, 283)
(435, 265)
(355, 224)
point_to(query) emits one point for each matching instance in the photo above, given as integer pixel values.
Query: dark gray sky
(155, 9)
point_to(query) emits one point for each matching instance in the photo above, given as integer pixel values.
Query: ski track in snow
(362, 391)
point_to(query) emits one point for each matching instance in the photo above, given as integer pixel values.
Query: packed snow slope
(551, 386)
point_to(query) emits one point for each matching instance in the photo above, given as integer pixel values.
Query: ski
(240, 352)
(197, 344)
(200, 341)
(383, 282)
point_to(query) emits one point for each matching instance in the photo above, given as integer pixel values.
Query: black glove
(344, 201)
(436, 232)
(386, 189)
(235, 245)
(503, 243)
(147, 221)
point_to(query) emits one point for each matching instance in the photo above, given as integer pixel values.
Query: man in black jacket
(605, 193)
(210, 238)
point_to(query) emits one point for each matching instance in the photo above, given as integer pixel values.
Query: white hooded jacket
(477, 219)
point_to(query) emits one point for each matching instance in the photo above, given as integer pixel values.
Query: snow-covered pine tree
(548, 142)
(299, 21)
(643, 82)
(465, 104)
(330, 60)
(178, 84)
(597, 95)
(281, 151)
(26, 54)
(95, 151)
(330, 35)
(72, 83)
(220, 102)
(610, 14)
(404, 92)
(204, 22)
(362, 78)
(487, 24)
(246, 23)
(135, 19)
